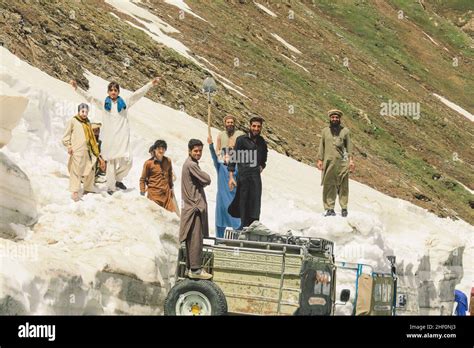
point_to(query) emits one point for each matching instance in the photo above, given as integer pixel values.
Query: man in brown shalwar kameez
(157, 177)
(194, 223)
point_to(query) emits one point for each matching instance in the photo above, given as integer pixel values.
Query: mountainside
(117, 254)
(290, 62)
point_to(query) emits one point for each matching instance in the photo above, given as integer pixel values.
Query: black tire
(205, 288)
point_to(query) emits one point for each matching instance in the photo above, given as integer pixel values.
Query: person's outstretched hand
(351, 166)
(155, 81)
(232, 184)
(320, 165)
(73, 83)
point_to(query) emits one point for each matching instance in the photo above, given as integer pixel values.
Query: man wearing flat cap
(227, 137)
(335, 161)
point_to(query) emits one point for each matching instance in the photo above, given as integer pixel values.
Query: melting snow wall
(17, 205)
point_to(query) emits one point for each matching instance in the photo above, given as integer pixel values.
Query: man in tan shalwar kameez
(83, 150)
(194, 222)
(157, 177)
(335, 161)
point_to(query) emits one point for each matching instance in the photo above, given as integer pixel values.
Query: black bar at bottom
(140, 330)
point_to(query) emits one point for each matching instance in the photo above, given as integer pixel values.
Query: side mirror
(345, 295)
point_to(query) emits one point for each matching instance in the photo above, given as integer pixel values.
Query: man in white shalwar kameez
(115, 130)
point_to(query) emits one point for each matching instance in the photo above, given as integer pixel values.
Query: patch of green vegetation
(375, 35)
(439, 27)
(456, 5)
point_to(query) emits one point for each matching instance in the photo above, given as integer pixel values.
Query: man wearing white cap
(335, 161)
(227, 137)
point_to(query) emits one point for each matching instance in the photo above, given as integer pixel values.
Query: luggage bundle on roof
(265, 238)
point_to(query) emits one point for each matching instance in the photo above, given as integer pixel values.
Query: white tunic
(115, 130)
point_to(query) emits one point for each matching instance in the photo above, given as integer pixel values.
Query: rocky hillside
(289, 61)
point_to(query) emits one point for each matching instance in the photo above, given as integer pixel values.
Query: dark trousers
(250, 199)
(194, 244)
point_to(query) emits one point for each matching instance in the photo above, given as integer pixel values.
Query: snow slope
(183, 7)
(158, 30)
(455, 107)
(286, 44)
(265, 9)
(131, 234)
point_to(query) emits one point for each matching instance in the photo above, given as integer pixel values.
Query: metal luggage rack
(278, 241)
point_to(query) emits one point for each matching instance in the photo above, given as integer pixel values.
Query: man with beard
(224, 196)
(227, 137)
(335, 161)
(251, 150)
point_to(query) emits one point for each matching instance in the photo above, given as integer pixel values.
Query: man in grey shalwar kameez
(194, 224)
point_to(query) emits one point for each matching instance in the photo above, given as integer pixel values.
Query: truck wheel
(195, 297)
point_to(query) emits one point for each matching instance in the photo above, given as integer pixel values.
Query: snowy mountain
(290, 62)
(117, 254)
